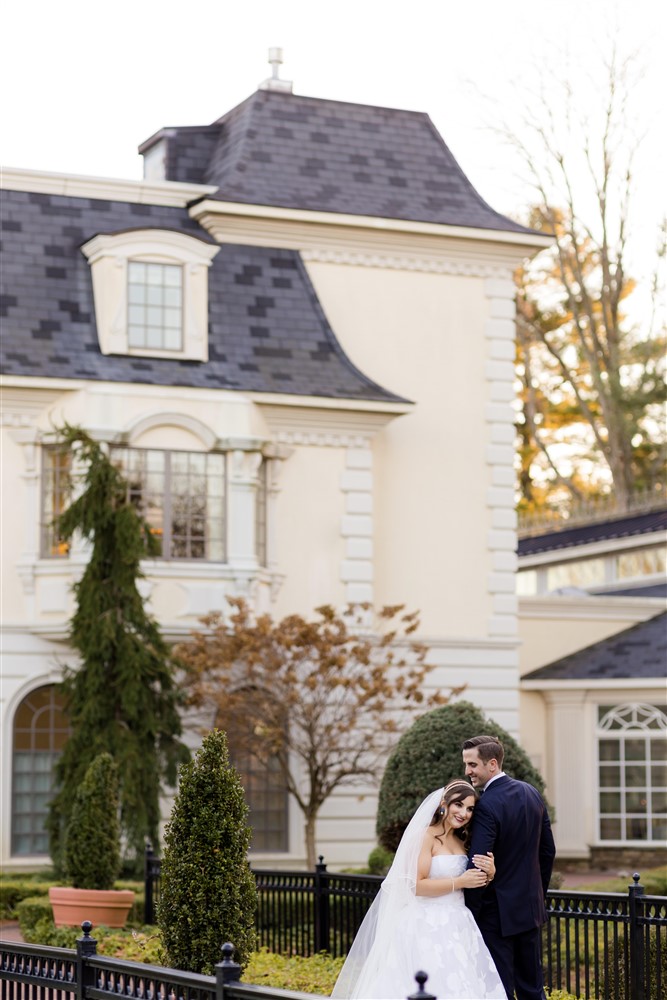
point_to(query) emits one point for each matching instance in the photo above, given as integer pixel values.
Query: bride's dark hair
(454, 792)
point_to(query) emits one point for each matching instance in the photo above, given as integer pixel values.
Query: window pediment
(151, 293)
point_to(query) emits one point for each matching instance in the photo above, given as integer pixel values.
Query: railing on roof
(591, 510)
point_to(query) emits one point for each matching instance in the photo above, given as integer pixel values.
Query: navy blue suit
(512, 821)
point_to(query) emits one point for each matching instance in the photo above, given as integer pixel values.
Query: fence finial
(421, 993)
(227, 971)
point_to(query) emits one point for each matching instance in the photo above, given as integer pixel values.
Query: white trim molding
(109, 256)
(171, 193)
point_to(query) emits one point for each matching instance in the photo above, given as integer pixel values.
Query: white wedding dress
(434, 934)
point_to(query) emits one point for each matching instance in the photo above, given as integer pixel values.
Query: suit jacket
(511, 820)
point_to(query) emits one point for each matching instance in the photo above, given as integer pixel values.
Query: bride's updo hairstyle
(455, 792)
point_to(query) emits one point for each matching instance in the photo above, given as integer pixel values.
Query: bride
(419, 920)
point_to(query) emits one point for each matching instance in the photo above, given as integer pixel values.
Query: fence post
(85, 947)
(322, 913)
(636, 941)
(149, 905)
(226, 971)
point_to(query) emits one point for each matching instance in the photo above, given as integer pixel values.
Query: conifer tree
(122, 698)
(207, 891)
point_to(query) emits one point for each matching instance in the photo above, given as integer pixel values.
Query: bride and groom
(462, 901)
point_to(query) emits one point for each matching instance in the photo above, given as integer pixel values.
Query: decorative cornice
(363, 241)
(324, 427)
(211, 210)
(406, 262)
(170, 193)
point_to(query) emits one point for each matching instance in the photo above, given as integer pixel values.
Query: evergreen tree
(122, 699)
(207, 891)
(428, 755)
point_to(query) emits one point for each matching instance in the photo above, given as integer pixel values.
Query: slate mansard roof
(636, 652)
(297, 152)
(267, 330)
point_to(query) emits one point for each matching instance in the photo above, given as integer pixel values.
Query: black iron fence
(36, 972)
(597, 946)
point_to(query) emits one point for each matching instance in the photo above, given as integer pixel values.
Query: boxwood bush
(207, 890)
(429, 755)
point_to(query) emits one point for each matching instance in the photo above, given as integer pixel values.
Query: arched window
(264, 785)
(632, 772)
(40, 732)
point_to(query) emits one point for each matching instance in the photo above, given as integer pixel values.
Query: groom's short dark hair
(488, 748)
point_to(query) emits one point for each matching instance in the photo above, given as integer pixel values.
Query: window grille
(40, 732)
(155, 306)
(56, 494)
(181, 495)
(632, 773)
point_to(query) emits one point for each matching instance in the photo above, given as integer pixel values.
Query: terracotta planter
(101, 906)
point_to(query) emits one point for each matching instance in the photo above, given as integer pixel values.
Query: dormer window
(151, 293)
(155, 306)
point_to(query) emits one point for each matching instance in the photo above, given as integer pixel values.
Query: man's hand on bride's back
(472, 878)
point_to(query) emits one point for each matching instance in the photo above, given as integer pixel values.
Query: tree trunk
(309, 829)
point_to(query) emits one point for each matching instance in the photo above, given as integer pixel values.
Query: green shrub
(92, 840)
(11, 894)
(316, 974)
(429, 755)
(207, 891)
(30, 911)
(379, 861)
(613, 977)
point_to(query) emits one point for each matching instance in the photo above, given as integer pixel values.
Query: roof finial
(274, 82)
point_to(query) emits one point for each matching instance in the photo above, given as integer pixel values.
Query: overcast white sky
(84, 82)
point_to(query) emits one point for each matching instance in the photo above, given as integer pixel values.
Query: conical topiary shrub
(91, 854)
(429, 755)
(92, 840)
(207, 891)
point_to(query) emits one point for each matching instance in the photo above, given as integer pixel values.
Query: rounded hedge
(92, 838)
(207, 891)
(429, 755)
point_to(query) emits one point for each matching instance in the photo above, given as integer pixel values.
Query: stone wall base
(627, 859)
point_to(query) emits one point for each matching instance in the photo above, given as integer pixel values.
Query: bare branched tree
(321, 697)
(586, 362)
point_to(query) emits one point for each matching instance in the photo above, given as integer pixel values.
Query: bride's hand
(472, 878)
(486, 864)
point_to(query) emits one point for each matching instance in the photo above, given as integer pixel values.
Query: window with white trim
(155, 306)
(151, 293)
(632, 773)
(182, 496)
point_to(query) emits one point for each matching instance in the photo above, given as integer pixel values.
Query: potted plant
(92, 854)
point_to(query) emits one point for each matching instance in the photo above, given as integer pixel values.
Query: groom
(510, 820)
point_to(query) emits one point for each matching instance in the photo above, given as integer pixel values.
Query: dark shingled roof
(285, 150)
(622, 526)
(267, 330)
(637, 652)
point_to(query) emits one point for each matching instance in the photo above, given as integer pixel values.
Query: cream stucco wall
(422, 336)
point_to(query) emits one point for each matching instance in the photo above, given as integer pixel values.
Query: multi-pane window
(263, 783)
(260, 514)
(181, 495)
(155, 306)
(40, 732)
(632, 772)
(56, 486)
